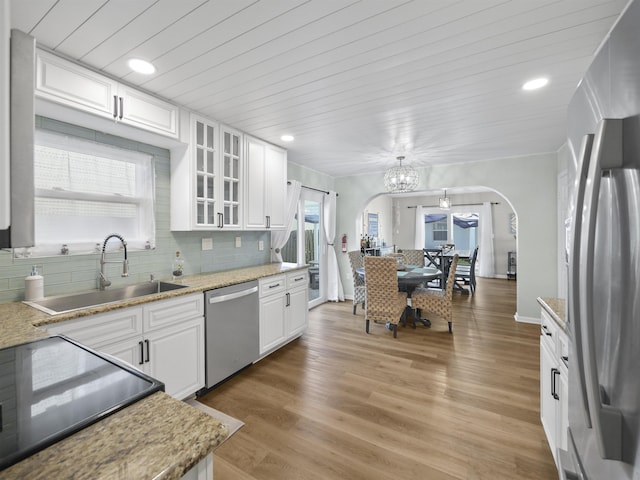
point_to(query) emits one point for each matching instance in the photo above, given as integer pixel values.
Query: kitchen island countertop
(158, 437)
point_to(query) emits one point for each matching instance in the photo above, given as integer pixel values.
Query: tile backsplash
(74, 273)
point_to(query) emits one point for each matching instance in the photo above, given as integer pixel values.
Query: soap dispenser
(34, 286)
(177, 267)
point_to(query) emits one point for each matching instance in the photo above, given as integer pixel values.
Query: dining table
(409, 278)
(442, 258)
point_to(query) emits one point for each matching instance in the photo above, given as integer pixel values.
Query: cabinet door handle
(115, 106)
(268, 221)
(147, 343)
(554, 394)
(220, 220)
(141, 353)
(546, 331)
(288, 299)
(121, 108)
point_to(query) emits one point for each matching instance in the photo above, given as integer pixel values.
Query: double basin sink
(68, 303)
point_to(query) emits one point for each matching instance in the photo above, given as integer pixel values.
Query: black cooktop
(53, 387)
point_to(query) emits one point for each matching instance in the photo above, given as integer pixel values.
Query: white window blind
(87, 190)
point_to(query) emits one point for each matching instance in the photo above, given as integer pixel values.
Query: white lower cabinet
(553, 384)
(164, 339)
(283, 309)
(203, 470)
(272, 307)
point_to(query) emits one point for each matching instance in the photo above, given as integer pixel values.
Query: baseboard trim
(523, 319)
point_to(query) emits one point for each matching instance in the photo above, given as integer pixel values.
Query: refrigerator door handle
(605, 419)
(569, 465)
(574, 270)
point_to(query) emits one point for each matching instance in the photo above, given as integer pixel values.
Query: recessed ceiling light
(141, 66)
(287, 138)
(535, 84)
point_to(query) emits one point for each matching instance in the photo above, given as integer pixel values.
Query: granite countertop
(555, 307)
(196, 283)
(158, 437)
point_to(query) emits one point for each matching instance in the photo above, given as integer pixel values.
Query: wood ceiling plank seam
(370, 106)
(28, 17)
(155, 19)
(418, 123)
(241, 23)
(188, 95)
(429, 111)
(289, 89)
(99, 26)
(119, 31)
(356, 50)
(196, 21)
(255, 58)
(385, 84)
(503, 121)
(181, 81)
(324, 34)
(445, 81)
(62, 19)
(289, 76)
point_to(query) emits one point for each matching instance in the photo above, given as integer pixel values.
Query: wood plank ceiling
(356, 82)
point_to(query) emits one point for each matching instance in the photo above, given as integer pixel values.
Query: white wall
(527, 183)
(381, 205)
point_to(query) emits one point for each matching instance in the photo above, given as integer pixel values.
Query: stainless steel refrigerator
(604, 262)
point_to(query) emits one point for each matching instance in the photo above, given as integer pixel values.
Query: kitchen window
(86, 190)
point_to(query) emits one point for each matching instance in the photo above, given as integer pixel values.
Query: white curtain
(485, 250)
(279, 238)
(335, 292)
(419, 237)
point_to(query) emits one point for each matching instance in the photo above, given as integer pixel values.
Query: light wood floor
(340, 404)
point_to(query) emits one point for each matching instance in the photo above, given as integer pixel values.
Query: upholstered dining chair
(359, 293)
(437, 301)
(414, 257)
(467, 273)
(385, 304)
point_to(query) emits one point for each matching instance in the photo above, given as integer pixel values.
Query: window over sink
(86, 190)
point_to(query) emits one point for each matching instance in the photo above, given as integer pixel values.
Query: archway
(396, 214)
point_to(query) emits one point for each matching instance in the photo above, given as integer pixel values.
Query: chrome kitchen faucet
(102, 279)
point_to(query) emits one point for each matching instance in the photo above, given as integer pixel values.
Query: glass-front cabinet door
(231, 175)
(206, 178)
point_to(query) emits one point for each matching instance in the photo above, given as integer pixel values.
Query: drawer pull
(274, 285)
(546, 331)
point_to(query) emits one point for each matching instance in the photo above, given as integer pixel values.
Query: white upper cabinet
(231, 177)
(266, 185)
(207, 178)
(82, 89)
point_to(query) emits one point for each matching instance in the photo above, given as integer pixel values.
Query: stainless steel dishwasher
(231, 330)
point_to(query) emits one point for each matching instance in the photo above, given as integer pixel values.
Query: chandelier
(401, 178)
